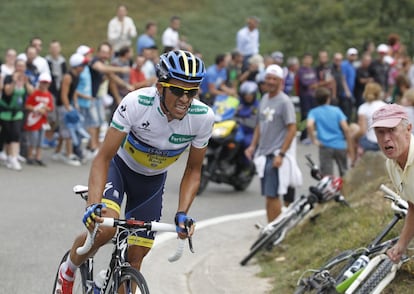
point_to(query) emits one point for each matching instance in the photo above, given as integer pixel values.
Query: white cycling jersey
(153, 143)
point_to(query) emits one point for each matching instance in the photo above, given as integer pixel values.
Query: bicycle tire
(79, 285)
(265, 239)
(376, 277)
(129, 279)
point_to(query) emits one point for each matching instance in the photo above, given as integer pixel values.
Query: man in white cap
(379, 69)
(348, 69)
(272, 139)
(393, 131)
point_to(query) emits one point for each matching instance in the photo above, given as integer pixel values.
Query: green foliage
(292, 27)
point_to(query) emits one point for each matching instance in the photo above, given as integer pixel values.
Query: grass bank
(338, 228)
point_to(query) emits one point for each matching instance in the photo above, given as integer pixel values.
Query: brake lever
(188, 225)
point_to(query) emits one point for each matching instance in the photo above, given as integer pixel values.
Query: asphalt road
(41, 216)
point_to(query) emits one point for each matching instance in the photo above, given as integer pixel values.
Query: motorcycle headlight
(219, 132)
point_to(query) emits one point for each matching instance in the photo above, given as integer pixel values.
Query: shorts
(98, 112)
(63, 129)
(144, 196)
(90, 121)
(35, 138)
(270, 180)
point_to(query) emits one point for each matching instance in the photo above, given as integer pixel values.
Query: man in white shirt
(121, 29)
(171, 37)
(247, 40)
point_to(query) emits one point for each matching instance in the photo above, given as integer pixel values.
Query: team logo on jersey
(145, 100)
(198, 109)
(180, 139)
(144, 126)
(121, 110)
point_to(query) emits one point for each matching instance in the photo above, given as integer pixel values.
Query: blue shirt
(144, 41)
(328, 120)
(85, 87)
(213, 76)
(349, 72)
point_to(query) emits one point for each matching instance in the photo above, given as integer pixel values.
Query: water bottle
(360, 263)
(99, 282)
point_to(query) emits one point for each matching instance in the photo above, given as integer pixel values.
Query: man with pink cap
(393, 131)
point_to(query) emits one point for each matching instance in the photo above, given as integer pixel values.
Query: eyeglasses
(180, 91)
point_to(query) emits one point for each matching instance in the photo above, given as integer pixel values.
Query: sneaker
(21, 158)
(63, 286)
(3, 156)
(14, 164)
(72, 160)
(40, 162)
(30, 161)
(57, 156)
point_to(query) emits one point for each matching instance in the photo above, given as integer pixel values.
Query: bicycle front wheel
(131, 281)
(81, 278)
(382, 270)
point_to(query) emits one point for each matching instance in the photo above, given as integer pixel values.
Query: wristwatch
(281, 154)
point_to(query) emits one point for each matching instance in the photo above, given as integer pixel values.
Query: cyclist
(150, 129)
(393, 132)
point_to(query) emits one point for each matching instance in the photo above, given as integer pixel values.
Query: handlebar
(134, 224)
(398, 204)
(315, 172)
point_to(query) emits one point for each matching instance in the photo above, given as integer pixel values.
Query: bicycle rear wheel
(131, 281)
(382, 270)
(81, 278)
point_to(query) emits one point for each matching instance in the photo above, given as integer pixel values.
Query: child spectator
(38, 105)
(333, 135)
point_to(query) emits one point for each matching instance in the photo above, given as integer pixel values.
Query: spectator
(349, 73)
(170, 36)
(363, 77)
(39, 61)
(307, 82)
(121, 30)
(58, 67)
(124, 59)
(38, 105)
(66, 105)
(407, 102)
(32, 71)
(256, 70)
(16, 88)
(379, 68)
(248, 41)
(85, 103)
(137, 77)
(292, 69)
(342, 91)
(234, 69)
(402, 84)
(333, 135)
(147, 39)
(214, 83)
(363, 136)
(148, 68)
(324, 73)
(7, 68)
(274, 141)
(393, 132)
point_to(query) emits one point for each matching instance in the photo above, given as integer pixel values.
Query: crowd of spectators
(87, 86)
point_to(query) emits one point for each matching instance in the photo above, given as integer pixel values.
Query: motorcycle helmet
(180, 65)
(329, 186)
(248, 88)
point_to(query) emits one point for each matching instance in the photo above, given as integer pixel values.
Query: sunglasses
(180, 91)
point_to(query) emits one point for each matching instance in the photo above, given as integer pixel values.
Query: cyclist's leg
(144, 202)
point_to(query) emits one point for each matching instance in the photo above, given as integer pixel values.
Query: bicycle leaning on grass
(119, 277)
(328, 188)
(362, 270)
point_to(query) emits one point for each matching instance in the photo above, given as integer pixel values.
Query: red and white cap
(77, 60)
(84, 50)
(45, 77)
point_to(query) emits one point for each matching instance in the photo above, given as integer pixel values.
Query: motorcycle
(224, 161)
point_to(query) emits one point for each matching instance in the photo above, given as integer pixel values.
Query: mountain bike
(119, 277)
(345, 272)
(328, 188)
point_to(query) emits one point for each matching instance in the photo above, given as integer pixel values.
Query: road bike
(345, 273)
(119, 277)
(328, 188)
